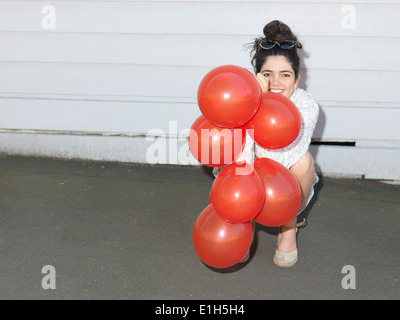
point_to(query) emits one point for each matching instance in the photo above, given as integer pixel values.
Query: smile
(277, 90)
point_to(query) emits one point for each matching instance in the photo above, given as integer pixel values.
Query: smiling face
(281, 76)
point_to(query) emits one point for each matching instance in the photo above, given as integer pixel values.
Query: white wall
(111, 71)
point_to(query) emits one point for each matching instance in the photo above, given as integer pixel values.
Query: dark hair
(275, 31)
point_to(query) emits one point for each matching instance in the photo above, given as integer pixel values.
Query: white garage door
(107, 80)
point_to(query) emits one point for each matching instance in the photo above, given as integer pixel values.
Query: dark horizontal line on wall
(321, 142)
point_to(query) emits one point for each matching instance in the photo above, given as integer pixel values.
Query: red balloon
(229, 96)
(219, 243)
(238, 193)
(214, 146)
(282, 193)
(277, 122)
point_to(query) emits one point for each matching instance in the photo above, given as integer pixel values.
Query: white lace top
(289, 155)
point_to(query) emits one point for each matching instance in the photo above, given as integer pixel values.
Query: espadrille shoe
(286, 259)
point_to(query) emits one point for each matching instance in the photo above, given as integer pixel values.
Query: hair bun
(278, 31)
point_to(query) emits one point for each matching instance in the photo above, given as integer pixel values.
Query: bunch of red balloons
(231, 102)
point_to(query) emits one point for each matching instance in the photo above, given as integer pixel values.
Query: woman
(277, 67)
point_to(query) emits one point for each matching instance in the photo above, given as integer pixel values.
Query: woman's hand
(263, 81)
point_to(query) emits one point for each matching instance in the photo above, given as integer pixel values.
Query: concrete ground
(119, 231)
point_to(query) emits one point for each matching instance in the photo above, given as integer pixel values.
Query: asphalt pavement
(123, 231)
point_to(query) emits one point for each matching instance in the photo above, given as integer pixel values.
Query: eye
(286, 75)
(266, 74)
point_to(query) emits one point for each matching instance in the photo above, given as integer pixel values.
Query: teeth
(277, 91)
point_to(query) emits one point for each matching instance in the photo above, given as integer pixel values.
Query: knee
(305, 165)
(309, 162)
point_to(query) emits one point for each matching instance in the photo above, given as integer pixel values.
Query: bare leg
(304, 171)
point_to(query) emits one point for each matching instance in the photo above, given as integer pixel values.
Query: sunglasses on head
(269, 44)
